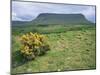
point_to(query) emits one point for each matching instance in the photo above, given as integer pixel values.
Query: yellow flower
(32, 42)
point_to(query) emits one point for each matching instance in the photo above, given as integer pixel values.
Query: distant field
(73, 47)
(47, 29)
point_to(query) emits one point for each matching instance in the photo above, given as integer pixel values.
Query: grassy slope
(70, 50)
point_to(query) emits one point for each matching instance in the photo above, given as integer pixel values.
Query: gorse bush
(33, 45)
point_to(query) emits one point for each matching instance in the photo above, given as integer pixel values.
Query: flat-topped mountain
(51, 18)
(55, 19)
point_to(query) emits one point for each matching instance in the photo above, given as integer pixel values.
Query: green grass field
(71, 48)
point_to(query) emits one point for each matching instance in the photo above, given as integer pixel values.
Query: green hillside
(71, 48)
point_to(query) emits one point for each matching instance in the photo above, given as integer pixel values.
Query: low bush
(33, 45)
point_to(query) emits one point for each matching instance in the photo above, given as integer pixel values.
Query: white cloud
(15, 17)
(13, 14)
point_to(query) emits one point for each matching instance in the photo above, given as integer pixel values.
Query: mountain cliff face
(49, 18)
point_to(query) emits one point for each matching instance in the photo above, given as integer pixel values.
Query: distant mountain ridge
(52, 18)
(19, 22)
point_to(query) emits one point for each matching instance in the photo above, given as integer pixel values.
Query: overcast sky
(27, 11)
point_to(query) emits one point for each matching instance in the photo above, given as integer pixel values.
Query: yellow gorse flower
(33, 44)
